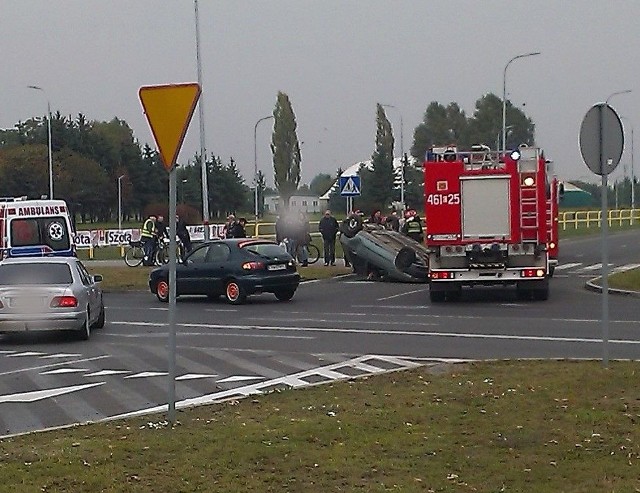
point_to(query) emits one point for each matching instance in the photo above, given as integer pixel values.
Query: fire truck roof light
(515, 155)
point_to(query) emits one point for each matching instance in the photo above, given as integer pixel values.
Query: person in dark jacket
(392, 221)
(328, 228)
(183, 233)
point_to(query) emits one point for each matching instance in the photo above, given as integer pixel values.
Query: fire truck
(490, 219)
(35, 228)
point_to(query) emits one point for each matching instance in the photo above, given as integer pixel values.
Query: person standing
(302, 238)
(328, 228)
(412, 226)
(240, 229)
(148, 238)
(230, 226)
(183, 233)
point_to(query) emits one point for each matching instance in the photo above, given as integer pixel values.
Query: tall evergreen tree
(377, 184)
(285, 149)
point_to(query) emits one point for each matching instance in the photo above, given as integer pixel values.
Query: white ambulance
(35, 228)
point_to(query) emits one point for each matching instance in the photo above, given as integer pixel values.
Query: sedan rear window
(265, 249)
(34, 274)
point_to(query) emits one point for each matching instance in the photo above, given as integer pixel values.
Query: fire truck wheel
(437, 296)
(552, 269)
(541, 294)
(351, 226)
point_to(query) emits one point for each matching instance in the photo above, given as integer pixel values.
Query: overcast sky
(334, 58)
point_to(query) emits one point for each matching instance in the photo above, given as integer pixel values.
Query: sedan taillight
(64, 302)
(253, 266)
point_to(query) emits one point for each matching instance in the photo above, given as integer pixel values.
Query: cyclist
(148, 236)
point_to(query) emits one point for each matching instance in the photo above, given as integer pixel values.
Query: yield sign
(169, 109)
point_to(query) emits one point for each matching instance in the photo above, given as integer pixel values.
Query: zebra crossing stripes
(588, 270)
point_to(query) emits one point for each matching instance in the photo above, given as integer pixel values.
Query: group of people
(409, 224)
(292, 231)
(154, 229)
(235, 228)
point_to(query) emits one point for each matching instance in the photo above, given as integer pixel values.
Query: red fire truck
(489, 218)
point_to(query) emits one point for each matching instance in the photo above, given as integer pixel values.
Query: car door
(216, 269)
(93, 292)
(190, 276)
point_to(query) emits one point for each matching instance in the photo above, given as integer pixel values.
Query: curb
(592, 286)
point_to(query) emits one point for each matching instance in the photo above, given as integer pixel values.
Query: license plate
(277, 267)
(26, 302)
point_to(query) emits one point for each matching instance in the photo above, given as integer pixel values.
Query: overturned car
(382, 253)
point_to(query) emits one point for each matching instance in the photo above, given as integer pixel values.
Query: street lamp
(120, 202)
(255, 169)
(633, 191)
(509, 127)
(182, 194)
(626, 91)
(504, 95)
(38, 88)
(203, 160)
(401, 153)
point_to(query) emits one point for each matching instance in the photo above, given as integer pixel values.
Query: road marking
(38, 395)
(60, 355)
(567, 266)
(624, 268)
(240, 378)
(27, 353)
(53, 365)
(216, 334)
(104, 373)
(327, 320)
(195, 376)
(403, 294)
(395, 307)
(62, 371)
(147, 374)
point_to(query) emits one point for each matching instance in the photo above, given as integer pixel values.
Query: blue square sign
(349, 186)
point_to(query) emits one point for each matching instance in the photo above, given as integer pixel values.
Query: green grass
(502, 426)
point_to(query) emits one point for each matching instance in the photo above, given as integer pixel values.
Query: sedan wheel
(162, 291)
(285, 295)
(98, 324)
(234, 293)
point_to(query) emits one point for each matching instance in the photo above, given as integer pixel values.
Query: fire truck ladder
(529, 212)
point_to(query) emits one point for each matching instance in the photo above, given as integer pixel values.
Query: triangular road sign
(350, 186)
(169, 109)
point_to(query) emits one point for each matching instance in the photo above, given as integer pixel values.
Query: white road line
(147, 374)
(53, 365)
(626, 267)
(105, 373)
(195, 376)
(38, 395)
(403, 294)
(329, 321)
(240, 378)
(62, 371)
(568, 266)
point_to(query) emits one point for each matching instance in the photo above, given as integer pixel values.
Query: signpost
(601, 145)
(349, 188)
(169, 109)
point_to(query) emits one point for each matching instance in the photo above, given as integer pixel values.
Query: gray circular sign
(601, 139)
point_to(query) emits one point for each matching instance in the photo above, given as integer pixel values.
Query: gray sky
(334, 58)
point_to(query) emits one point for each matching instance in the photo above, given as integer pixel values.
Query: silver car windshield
(34, 274)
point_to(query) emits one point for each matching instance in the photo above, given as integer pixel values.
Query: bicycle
(134, 254)
(313, 253)
(161, 255)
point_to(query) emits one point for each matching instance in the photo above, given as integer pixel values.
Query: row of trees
(89, 157)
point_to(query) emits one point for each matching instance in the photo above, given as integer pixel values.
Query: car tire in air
(234, 293)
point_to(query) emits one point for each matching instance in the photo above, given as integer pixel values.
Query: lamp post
(120, 202)
(509, 127)
(401, 152)
(38, 88)
(203, 159)
(504, 95)
(633, 194)
(255, 169)
(184, 180)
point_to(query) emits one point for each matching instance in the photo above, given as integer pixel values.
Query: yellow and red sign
(169, 109)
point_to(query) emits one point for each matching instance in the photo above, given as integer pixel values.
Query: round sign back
(601, 139)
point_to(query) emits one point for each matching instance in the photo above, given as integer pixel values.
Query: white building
(308, 203)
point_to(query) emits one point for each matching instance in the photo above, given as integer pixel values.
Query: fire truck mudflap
(486, 215)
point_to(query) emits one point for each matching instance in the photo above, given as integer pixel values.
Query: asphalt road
(331, 329)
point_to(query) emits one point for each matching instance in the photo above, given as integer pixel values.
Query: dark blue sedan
(233, 268)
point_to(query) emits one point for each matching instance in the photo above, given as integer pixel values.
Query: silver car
(49, 293)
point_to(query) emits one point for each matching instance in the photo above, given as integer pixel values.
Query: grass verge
(543, 426)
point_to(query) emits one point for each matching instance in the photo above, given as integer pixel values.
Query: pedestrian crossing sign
(349, 186)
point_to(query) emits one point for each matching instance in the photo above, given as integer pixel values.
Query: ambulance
(35, 228)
